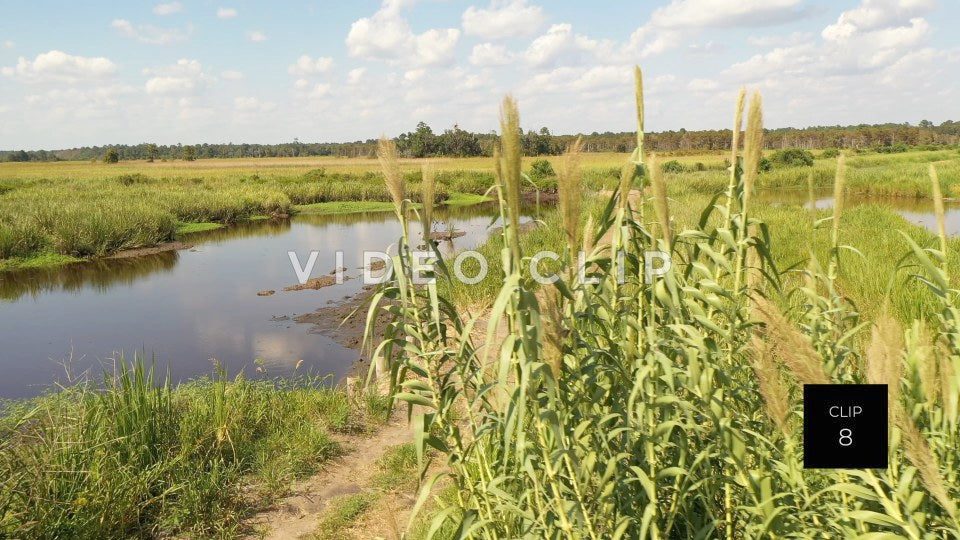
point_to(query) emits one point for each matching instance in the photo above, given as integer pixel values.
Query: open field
(56, 212)
(267, 167)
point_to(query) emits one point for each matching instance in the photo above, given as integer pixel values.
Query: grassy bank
(56, 212)
(142, 459)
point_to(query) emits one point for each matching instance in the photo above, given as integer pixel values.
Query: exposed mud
(315, 283)
(139, 252)
(523, 228)
(446, 235)
(345, 323)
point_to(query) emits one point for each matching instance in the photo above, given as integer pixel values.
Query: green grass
(187, 228)
(341, 513)
(93, 210)
(344, 207)
(466, 199)
(43, 260)
(397, 469)
(139, 458)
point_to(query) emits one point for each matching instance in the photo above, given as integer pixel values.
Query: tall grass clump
(134, 456)
(667, 405)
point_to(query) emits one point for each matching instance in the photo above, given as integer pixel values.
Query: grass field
(52, 213)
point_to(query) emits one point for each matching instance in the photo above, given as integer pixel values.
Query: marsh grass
(674, 410)
(134, 456)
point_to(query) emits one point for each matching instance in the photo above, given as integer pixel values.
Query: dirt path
(298, 513)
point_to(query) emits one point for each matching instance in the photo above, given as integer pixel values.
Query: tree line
(456, 142)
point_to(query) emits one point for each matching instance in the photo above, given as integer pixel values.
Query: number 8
(846, 439)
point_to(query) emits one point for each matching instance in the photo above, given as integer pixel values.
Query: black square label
(845, 426)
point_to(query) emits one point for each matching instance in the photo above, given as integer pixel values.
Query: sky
(215, 71)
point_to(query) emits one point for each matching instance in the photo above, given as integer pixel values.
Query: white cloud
(503, 19)
(182, 77)
(308, 66)
(9, 44)
(320, 90)
(59, 66)
(702, 85)
(387, 36)
(232, 75)
(252, 104)
(168, 9)
(779, 40)
(169, 85)
(560, 45)
(488, 54)
(669, 24)
(355, 75)
(150, 34)
(875, 14)
(226, 13)
(256, 36)
(414, 75)
(722, 13)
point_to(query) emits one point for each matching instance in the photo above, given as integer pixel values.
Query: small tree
(111, 156)
(672, 166)
(151, 152)
(793, 157)
(189, 154)
(541, 169)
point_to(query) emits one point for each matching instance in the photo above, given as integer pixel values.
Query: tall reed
(663, 408)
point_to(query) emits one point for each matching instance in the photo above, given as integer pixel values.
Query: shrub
(892, 149)
(672, 166)
(793, 157)
(111, 156)
(830, 153)
(541, 169)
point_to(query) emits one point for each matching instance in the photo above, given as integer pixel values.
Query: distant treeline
(456, 142)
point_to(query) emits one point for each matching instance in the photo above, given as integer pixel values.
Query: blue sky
(93, 73)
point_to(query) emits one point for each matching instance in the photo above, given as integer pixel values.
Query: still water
(184, 308)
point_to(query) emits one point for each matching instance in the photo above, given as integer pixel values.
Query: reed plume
(638, 79)
(735, 151)
(568, 186)
(660, 204)
(775, 393)
(884, 359)
(393, 177)
(509, 169)
(427, 194)
(626, 180)
(752, 148)
(938, 207)
(788, 345)
(839, 184)
(922, 457)
(554, 329)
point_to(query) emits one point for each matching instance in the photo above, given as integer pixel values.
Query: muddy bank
(345, 324)
(139, 252)
(316, 283)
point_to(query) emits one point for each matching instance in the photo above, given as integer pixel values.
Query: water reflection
(183, 308)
